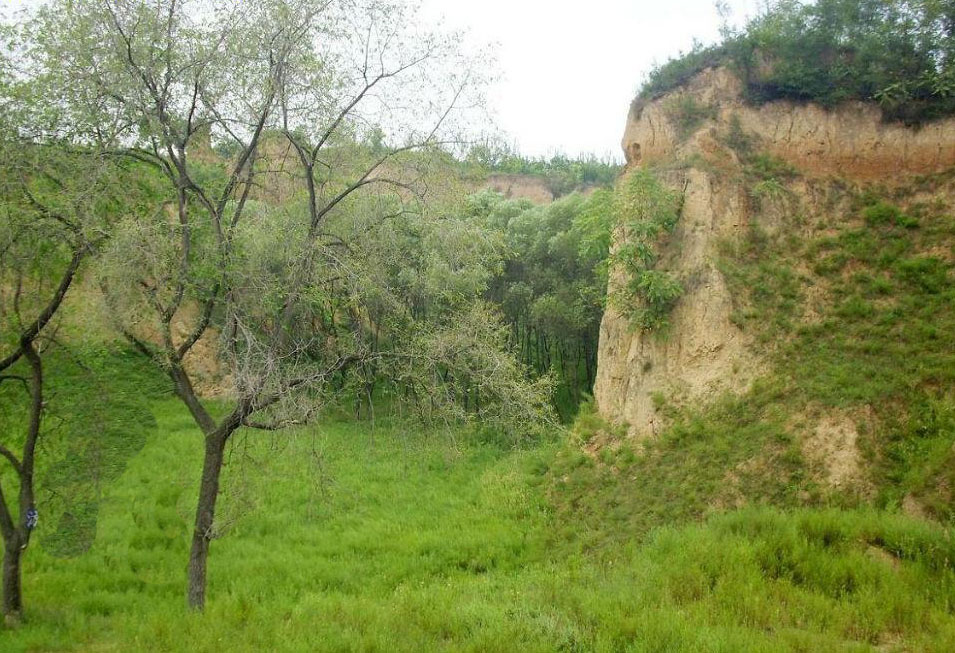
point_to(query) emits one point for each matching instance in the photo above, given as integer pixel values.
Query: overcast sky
(570, 68)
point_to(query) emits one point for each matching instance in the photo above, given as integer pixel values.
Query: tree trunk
(205, 514)
(12, 598)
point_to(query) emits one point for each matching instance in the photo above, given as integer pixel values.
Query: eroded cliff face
(704, 354)
(851, 141)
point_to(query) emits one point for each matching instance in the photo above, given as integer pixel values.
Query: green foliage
(660, 291)
(688, 113)
(881, 213)
(767, 167)
(552, 284)
(645, 213)
(899, 54)
(679, 70)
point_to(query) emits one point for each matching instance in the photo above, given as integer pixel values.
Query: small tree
(56, 209)
(283, 243)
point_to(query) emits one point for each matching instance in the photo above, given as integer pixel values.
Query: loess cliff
(784, 170)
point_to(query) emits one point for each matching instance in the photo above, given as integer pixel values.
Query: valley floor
(345, 537)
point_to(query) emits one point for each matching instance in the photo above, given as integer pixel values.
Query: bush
(646, 211)
(768, 167)
(881, 213)
(681, 69)
(688, 114)
(660, 291)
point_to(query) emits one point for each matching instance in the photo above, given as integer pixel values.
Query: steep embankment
(721, 154)
(811, 355)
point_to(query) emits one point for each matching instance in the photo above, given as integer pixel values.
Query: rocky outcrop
(704, 354)
(850, 141)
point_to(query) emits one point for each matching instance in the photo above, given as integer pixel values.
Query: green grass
(341, 537)
(881, 339)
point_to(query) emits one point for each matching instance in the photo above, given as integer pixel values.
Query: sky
(567, 70)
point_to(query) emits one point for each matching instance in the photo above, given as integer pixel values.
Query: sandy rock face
(521, 187)
(703, 354)
(850, 141)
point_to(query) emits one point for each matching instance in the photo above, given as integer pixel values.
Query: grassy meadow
(346, 536)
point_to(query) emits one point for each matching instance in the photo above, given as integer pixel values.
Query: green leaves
(552, 287)
(660, 291)
(645, 213)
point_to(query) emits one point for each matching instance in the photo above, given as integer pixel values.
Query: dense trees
(552, 284)
(552, 288)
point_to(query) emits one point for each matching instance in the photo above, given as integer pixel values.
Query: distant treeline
(899, 53)
(562, 174)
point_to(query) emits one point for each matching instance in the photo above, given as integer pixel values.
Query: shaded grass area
(96, 417)
(347, 538)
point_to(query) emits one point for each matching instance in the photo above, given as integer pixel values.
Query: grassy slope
(858, 312)
(349, 539)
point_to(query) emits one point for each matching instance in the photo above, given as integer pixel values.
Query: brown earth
(850, 141)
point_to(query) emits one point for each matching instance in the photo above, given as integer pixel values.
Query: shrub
(681, 69)
(688, 114)
(646, 211)
(660, 291)
(768, 167)
(881, 213)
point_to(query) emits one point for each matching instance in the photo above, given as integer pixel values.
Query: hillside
(810, 357)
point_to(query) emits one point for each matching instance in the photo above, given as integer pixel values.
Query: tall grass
(344, 537)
